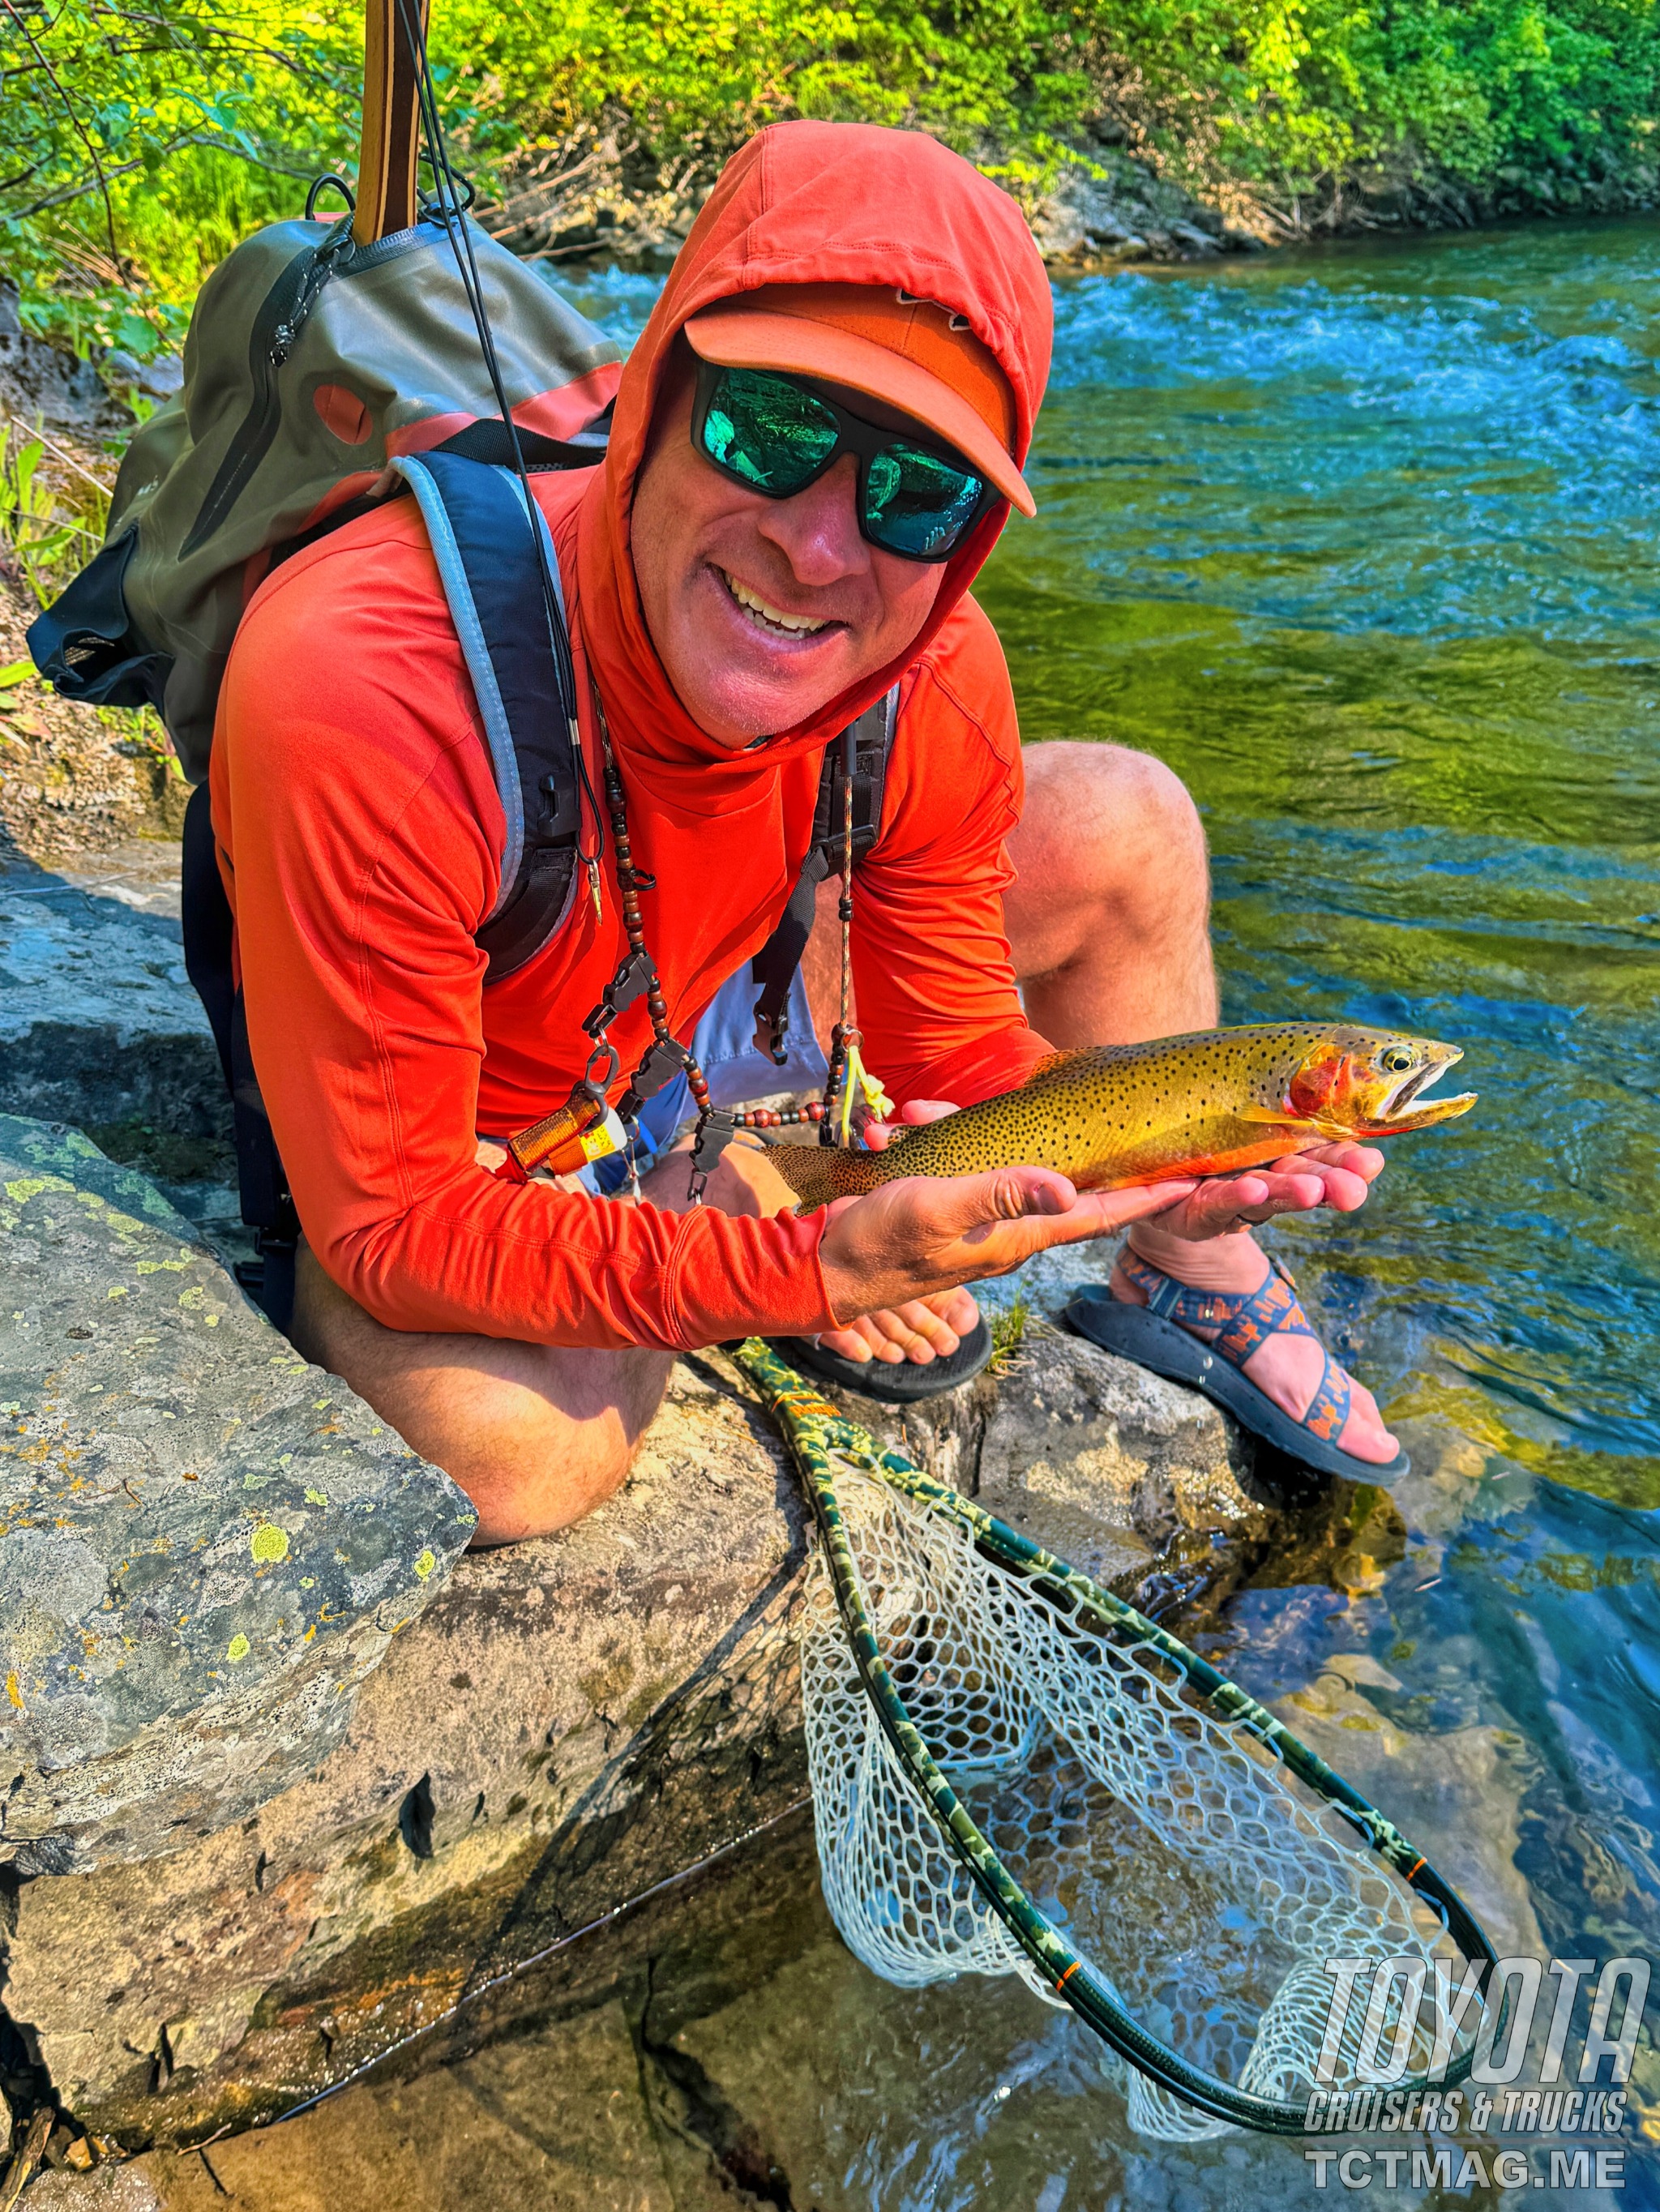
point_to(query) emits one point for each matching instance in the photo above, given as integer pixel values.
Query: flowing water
(1366, 545)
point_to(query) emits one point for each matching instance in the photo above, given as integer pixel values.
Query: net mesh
(1195, 1875)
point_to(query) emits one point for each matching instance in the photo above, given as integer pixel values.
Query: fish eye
(1396, 1060)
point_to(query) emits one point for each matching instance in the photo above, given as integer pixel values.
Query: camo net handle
(817, 1436)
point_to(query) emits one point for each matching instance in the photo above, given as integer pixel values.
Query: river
(1366, 543)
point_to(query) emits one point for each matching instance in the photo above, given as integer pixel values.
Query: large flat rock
(205, 1545)
(571, 1723)
(98, 1021)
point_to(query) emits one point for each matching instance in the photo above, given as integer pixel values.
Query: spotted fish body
(1114, 1115)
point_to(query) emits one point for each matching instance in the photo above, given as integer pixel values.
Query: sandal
(903, 1383)
(1155, 1335)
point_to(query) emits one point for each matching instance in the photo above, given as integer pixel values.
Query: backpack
(312, 364)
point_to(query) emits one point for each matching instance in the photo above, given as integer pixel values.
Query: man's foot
(904, 1381)
(1288, 1364)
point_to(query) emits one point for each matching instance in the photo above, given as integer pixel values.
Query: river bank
(1111, 198)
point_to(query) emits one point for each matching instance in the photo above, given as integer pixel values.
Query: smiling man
(816, 443)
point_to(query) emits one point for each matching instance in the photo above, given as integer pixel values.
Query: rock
(1079, 217)
(38, 380)
(98, 1021)
(571, 1722)
(1192, 239)
(158, 380)
(107, 2189)
(1089, 1454)
(207, 1544)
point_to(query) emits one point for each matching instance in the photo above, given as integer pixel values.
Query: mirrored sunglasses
(776, 434)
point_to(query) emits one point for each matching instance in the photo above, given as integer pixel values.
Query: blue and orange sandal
(1155, 1335)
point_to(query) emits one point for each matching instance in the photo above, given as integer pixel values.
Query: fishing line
(452, 212)
(516, 1973)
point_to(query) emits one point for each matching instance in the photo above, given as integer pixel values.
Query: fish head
(1371, 1083)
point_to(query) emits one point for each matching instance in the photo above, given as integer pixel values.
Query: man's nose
(817, 531)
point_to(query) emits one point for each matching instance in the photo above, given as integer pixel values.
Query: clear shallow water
(1367, 546)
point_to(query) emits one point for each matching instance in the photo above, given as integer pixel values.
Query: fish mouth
(1409, 1108)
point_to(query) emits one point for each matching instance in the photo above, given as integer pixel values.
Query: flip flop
(1151, 1336)
(904, 1383)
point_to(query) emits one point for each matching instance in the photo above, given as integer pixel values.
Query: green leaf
(16, 671)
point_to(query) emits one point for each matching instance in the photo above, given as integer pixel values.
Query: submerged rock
(204, 1544)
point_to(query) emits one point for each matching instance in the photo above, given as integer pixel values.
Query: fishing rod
(402, 120)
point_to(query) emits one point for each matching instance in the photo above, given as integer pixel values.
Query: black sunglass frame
(864, 440)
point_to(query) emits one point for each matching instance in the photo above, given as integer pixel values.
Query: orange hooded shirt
(360, 836)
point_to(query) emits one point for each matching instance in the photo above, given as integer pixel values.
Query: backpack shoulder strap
(774, 965)
(481, 539)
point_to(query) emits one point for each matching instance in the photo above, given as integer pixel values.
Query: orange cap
(912, 354)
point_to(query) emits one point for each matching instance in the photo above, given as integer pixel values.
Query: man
(728, 625)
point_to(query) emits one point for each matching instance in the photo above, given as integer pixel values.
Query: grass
(1009, 1334)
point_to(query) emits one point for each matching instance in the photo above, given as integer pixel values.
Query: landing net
(1014, 1772)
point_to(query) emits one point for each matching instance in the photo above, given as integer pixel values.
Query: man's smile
(772, 621)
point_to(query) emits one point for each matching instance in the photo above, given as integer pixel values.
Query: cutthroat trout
(1115, 1116)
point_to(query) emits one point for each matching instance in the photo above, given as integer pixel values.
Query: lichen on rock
(205, 1544)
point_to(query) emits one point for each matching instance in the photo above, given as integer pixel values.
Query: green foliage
(142, 141)
(1295, 92)
(47, 540)
(143, 138)
(1009, 1328)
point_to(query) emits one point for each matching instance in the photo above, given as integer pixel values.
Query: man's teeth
(752, 602)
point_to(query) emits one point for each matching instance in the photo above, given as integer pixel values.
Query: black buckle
(632, 980)
(772, 1032)
(715, 1131)
(665, 1060)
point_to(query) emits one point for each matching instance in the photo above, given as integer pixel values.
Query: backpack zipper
(276, 325)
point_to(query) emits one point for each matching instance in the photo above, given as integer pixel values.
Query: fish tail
(818, 1173)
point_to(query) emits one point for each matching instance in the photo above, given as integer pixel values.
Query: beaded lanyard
(666, 1057)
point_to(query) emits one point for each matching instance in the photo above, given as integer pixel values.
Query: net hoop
(814, 1430)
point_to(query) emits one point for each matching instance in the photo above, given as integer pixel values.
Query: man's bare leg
(1108, 922)
(536, 1434)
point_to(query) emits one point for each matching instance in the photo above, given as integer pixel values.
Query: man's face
(762, 609)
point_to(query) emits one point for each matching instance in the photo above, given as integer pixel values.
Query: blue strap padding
(456, 573)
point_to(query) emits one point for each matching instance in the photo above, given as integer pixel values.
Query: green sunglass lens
(917, 504)
(772, 434)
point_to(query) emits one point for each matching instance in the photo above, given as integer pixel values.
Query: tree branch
(15, 13)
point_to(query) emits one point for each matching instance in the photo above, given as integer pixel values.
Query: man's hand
(923, 1329)
(922, 1235)
(1337, 1176)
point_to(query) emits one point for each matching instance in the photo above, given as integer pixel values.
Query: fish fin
(1275, 1116)
(818, 1173)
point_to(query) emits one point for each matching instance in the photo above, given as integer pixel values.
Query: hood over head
(811, 204)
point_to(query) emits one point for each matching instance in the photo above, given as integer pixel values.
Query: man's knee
(530, 1471)
(537, 1437)
(1096, 811)
(1109, 838)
